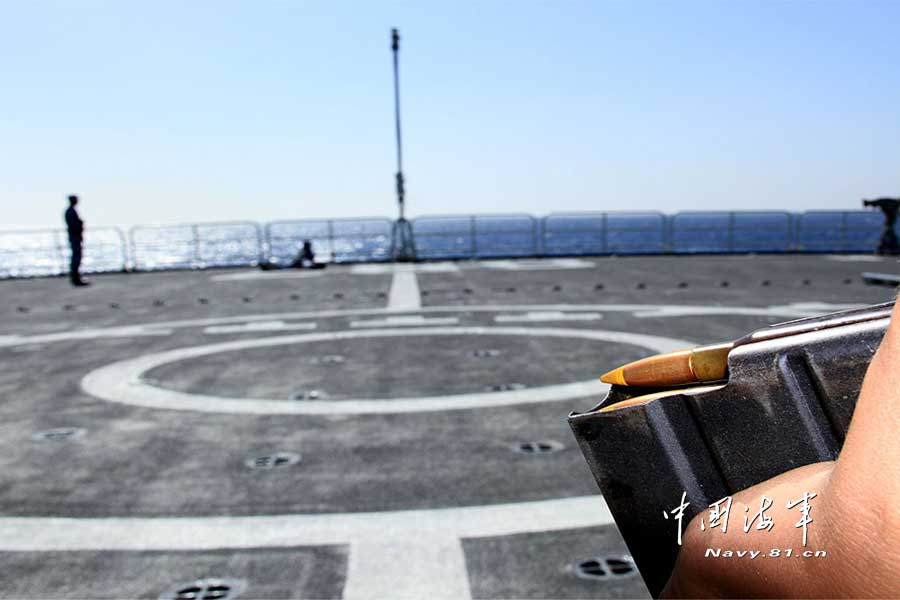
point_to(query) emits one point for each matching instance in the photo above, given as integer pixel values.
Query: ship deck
(352, 432)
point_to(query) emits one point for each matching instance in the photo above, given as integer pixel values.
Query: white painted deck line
(824, 307)
(543, 317)
(393, 554)
(855, 258)
(539, 264)
(121, 381)
(87, 334)
(405, 321)
(255, 327)
(36, 534)
(383, 269)
(407, 569)
(644, 310)
(404, 294)
(796, 310)
(258, 274)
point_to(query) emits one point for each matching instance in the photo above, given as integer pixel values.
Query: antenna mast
(403, 247)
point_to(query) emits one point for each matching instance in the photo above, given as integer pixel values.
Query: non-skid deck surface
(355, 432)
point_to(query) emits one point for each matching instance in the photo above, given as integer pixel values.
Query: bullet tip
(615, 377)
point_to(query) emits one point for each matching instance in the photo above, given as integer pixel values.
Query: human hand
(855, 513)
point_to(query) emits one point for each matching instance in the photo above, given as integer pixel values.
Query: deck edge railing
(443, 237)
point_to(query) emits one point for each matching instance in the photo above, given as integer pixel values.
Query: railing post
(133, 248)
(604, 233)
(795, 231)
(267, 235)
(668, 233)
(330, 224)
(123, 244)
(791, 236)
(731, 232)
(260, 249)
(542, 234)
(844, 242)
(195, 235)
(473, 232)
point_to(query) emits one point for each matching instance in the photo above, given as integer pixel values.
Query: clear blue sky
(197, 111)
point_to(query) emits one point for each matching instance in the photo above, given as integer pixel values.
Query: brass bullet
(705, 363)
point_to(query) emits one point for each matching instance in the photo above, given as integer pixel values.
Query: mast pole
(395, 39)
(403, 247)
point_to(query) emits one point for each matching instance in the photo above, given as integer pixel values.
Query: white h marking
(404, 289)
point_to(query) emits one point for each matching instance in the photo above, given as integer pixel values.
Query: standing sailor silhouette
(76, 237)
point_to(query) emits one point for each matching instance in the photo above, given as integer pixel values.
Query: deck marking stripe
(854, 258)
(538, 264)
(43, 534)
(256, 274)
(404, 294)
(405, 321)
(258, 326)
(647, 310)
(385, 269)
(552, 315)
(149, 329)
(797, 309)
(121, 381)
(411, 568)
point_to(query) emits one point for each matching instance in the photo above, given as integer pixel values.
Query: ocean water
(203, 245)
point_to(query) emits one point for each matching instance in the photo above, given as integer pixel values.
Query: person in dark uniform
(306, 259)
(76, 236)
(889, 206)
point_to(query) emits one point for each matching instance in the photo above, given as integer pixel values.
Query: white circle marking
(121, 381)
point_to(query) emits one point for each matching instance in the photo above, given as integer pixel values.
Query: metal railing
(195, 246)
(333, 240)
(245, 243)
(29, 253)
(838, 231)
(567, 234)
(693, 232)
(635, 233)
(476, 236)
